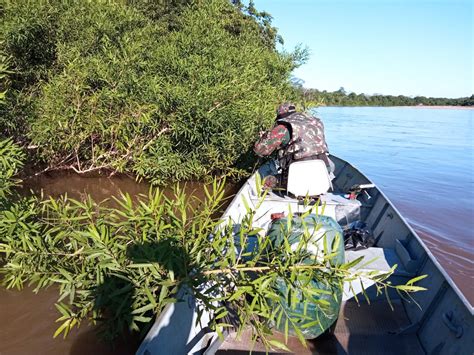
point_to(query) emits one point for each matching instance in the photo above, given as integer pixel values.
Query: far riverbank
(411, 106)
(440, 107)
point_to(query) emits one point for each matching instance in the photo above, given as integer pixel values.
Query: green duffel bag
(323, 230)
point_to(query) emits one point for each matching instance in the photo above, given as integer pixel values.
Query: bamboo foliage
(4, 72)
(172, 91)
(11, 162)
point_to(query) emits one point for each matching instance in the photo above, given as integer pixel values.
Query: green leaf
(278, 345)
(163, 293)
(63, 327)
(300, 335)
(311, 324)
(351, 264)
(143, 309)
(410, 288)
(416, 279)
(221, 315)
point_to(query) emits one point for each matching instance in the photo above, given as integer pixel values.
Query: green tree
(166, 92)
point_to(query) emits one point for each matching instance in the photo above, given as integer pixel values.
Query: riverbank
(440, 107)
(446, 107)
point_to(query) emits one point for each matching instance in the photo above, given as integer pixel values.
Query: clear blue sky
(408, 47)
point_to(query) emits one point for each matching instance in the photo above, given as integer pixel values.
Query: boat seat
(385, 258)
(311, 178)
(308, 178)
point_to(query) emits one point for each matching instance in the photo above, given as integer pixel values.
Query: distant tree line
(312, 97)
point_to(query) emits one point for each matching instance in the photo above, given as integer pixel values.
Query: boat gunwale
(215, 342)
(432, 257)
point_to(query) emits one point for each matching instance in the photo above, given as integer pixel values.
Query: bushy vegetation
(169, 92)
(11, 162)
(4, 72)
(314, 97)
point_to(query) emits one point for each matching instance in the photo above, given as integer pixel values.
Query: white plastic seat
(308, 178)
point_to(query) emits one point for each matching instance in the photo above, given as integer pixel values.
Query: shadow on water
(88, 343)
(114, 298)
(176, 333)
(166, 253)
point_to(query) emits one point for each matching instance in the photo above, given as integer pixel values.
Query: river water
(27, 320)
(422, 158)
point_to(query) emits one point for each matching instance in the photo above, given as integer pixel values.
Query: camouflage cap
(285, 108)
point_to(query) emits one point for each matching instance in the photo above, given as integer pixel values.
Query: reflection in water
(100, 188)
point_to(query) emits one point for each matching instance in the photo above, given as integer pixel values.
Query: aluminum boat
(440, 321)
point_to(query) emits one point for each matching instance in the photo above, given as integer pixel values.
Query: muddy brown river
(28, 319)
(28, 324)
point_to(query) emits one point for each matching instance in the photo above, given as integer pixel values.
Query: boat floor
(360, 329)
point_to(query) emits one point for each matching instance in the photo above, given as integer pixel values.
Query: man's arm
(272, 140)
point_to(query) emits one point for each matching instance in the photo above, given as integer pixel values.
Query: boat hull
(437, 321)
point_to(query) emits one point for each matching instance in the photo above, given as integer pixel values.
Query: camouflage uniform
(278, 137)
(307, 139)
(297, 136)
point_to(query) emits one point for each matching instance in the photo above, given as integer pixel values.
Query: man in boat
(296, 136)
